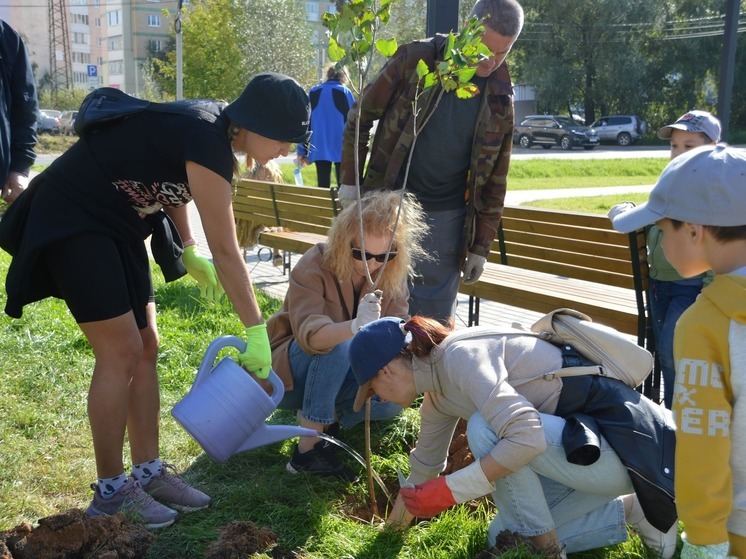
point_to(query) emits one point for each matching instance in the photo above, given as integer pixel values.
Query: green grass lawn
(536, 174)
(46, 460)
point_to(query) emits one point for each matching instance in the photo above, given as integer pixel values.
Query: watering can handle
(212, 352)
(205, 368)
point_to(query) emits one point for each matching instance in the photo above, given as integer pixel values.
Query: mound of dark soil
(510, 541)
(72, 535)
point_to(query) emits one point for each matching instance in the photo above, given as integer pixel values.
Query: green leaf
(336, 52)
(422, 69)
(466, 74)
(466, 91)
(449, 45)
(387, 47)
(430, 80)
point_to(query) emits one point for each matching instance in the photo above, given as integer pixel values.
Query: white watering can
(225, 409)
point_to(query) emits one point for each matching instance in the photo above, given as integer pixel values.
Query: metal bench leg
(473, 310)
(286, 262)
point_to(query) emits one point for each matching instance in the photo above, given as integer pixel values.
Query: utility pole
(179, 54)
(728, 64)
(442, 16)
(60, 58)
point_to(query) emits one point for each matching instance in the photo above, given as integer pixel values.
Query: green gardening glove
(202, 270)
(258, 355)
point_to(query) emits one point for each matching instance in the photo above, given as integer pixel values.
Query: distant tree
(586, 54)
(226, 42)
(274, 36)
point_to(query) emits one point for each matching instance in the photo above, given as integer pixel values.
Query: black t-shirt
(144, 157)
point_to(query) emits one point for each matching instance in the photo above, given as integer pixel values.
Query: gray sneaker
(169, 488)
(134, 503)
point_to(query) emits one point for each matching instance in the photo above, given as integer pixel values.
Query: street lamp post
(179, 54)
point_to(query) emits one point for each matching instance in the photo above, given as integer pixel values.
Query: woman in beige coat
(329, 298)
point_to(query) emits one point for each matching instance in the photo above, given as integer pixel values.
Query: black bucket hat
(274, 106)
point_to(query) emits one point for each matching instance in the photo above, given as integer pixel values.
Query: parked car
(625, 130)
(553, 130)
(48, 120)
(66, 122)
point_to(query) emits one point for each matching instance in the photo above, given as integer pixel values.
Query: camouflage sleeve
(490, 196)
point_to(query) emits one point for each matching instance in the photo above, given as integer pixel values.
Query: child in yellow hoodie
(699, 203)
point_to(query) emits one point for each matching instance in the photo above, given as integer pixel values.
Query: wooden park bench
(302, 214)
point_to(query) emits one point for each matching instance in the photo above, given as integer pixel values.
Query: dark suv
(552, 130)
(625, 130)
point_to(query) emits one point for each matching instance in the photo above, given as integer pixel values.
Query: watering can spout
(270, 434)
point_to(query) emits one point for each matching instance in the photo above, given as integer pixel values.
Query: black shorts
(88, 272)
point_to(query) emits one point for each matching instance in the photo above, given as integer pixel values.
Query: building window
(114, 17)
(312, 11)
(154, 20)
(81, 57)
(115, 43)
(81, 38)
(155, 45)
(116, 67)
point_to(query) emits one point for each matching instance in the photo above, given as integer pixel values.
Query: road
(536, 152)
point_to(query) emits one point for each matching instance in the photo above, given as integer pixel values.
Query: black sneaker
(320, 460)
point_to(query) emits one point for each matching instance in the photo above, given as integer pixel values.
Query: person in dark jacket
(18, 109)
(459, 162)
(502, 382)
(330, 103)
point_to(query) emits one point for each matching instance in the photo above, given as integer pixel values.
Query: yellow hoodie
(710, 411)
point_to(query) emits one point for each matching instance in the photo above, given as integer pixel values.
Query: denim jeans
(324, 388)
(668, 300)
(581, 502)
(434, 289)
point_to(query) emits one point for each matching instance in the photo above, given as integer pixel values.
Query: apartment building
(109, 40)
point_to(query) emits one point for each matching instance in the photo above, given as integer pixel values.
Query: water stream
(352, 452)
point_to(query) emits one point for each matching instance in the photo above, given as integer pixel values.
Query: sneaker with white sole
(169, 488)
(662, 543)
(132, 501)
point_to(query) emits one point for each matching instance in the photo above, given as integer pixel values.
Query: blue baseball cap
(372, 347)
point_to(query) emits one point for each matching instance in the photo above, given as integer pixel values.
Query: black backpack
(106, 104)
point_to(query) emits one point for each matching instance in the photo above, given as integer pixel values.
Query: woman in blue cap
(497, 382)
(78, 233)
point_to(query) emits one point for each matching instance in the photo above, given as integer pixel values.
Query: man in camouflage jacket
(470, 141)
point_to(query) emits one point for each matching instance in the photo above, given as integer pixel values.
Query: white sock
(147, 470)
(108, 486)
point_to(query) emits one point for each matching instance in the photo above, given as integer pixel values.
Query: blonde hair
(379, 211)
(269, 172)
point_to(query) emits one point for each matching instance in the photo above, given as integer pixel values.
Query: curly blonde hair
(379, 210)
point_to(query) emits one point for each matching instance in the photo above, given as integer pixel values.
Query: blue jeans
(324, 389)
(668, 300)
(581, 502)
(434, 289)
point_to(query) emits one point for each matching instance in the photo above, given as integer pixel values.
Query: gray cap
(694, 121)
(274, 106)
(706, 186)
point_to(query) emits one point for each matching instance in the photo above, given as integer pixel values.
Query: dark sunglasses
(357, 254)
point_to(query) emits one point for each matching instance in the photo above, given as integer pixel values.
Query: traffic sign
(92, 71)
